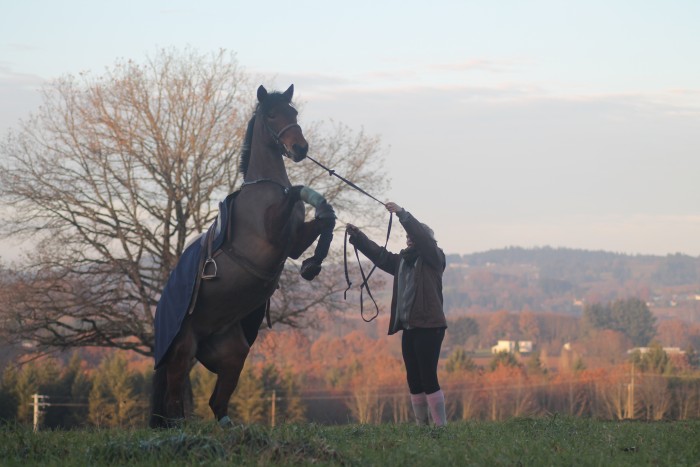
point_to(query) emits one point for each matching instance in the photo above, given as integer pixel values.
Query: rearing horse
(265, 225)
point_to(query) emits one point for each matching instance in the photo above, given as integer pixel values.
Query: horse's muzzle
(298, 152)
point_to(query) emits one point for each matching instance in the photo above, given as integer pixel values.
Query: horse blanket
(180, 292)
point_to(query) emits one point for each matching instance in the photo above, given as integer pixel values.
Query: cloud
(19, 96)
(11, 79)
(22, 47)
(491, 66)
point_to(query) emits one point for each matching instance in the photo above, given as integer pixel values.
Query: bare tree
(114, 174)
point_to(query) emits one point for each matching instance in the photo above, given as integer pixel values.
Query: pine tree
(9, 400)
(80, 391)
(203, 382)
(112, 399)
(505, 359)
(249, 398)
(534, 365)
(459, 361)
(631, 317)
(293, 407)
(656, 360)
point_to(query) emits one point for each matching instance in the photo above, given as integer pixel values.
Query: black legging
(421, 350)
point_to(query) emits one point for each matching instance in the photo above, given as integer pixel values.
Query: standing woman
(416, 308)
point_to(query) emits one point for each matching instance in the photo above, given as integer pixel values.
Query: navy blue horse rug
(180, 292)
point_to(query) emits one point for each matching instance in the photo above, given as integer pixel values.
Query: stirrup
(206, 276)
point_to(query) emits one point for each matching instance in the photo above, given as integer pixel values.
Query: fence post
(38, 405)
(630, 395)
(272, 409)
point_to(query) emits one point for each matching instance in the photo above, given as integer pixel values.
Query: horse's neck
(266, 162)
(263, 211)
(271, 169)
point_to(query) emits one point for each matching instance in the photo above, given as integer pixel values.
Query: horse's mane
(270, 101)
(247, 146)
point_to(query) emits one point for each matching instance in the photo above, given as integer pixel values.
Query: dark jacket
(426, 311)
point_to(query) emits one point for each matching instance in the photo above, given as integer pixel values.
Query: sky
(513, 123)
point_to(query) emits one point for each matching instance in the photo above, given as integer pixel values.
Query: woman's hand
(393, 207)
(352, 230)
(353, 233)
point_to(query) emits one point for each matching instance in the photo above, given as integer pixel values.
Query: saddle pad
(180, 291)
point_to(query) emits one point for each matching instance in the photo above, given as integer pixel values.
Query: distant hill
(563, 280)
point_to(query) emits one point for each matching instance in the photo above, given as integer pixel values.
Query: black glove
(353, 233)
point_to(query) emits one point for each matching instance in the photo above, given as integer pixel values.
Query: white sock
(420, 408)
(436, 401)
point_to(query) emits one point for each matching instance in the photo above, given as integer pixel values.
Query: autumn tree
(674, 333)
(114, 174)
(508, 392)
(607, 345)
(502, 325)
(529, 326)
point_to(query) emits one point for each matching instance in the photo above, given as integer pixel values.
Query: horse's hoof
(174, 422)
(225, 422)
(310, 269)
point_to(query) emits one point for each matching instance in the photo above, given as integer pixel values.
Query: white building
(512, 347)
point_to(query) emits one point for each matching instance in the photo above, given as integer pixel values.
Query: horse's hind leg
(177, 368)
(224, 354)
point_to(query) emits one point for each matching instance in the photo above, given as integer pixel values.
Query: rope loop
(365, 279)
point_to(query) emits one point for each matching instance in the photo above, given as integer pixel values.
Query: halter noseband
(276, 136)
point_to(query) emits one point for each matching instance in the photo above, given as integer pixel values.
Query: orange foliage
(674, 333)
(287, 350)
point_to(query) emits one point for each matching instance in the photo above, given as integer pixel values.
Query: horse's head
(280, 119)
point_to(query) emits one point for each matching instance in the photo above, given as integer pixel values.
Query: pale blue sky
(529, 123)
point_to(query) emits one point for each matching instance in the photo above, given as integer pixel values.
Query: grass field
(535, 442)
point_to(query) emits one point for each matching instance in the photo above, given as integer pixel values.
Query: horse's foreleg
(224, 354)
(311, 267)
(321, 226)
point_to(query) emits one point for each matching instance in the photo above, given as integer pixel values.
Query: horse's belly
(232, 295)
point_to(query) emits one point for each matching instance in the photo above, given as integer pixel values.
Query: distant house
(668, 350)
(512, 347)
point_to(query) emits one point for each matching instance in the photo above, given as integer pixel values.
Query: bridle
(277, 135)
(276, 138)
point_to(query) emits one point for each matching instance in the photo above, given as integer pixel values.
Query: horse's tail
(160, 381)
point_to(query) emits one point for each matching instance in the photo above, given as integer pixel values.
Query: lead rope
(332, 173)
(365, 284)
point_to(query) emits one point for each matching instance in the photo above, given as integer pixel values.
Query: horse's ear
(289, 93)
(262, 93)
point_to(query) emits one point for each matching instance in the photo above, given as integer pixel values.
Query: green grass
(536, 442)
